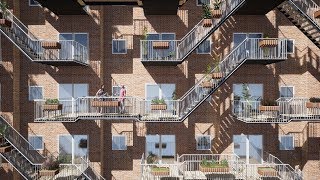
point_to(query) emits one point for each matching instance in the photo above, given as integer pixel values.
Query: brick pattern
(301, 70)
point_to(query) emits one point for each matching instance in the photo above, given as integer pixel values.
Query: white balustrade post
(72, 106)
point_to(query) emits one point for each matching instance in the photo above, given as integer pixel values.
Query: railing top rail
(314, 5)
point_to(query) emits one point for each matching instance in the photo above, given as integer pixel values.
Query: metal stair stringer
(198, 34)
(301, 14)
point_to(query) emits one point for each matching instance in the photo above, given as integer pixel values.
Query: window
(35, 92)
(201, 2)
(164, 146)
(238, 38)
(205, 47)
(286, 142)
(119, 142)
(286, 91)
(72, 148)
(203, 143)
(69, 91)
(290, 46)
(161, 91)
(119, 46)
(249, 148)
(33, 3)
(245, 91)
(36, 142)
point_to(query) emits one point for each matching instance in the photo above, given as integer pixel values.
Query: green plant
(174, 95)
(4, 6)
(245, 92)
(217, 4)
(52, 101)
(216, 62)
(158, 101)
(51, 163)
(206, 12)
(314, 100)
(214, 164)
(268, 102)
(224, 162)
(152, 158)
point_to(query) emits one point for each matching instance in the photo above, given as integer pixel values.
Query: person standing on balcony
(101, 93)
(121, 99)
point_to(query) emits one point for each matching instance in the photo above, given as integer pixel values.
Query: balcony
(166, 52)
(51, 52)
(286, 110)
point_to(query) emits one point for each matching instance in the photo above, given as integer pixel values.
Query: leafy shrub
(314, 99)
(51, 163)
(206, 11)
(52, 101)
(158, 101)
(268, 102)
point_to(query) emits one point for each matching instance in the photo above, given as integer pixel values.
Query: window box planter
(207, 22)
(5, 23)
(51, 45)
(268, 43)
(267, 171)
(207, 84)
(217, 169)
(158, 107)
(160, 171)
(217, 75)
(48, 172)
(269, 108)
(317, 14)
(313, 105)
(52, 107)
(216, 13)
(5, 148)
(105, 103)
(160, 44)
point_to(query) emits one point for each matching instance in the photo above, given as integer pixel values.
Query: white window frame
(38, 136)
(125, 141)
(293, 42)
(72, 146)
(201, 136)
(201, 4)
(125, 44)
(285, 149)
(160, 90)
(293, 92)
(30, 92)
(210, 44)
(38, 4)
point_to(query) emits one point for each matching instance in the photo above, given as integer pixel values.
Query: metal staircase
(250, 50)
(29, 162)
(179, 50)
(66, 52)
(302, 13)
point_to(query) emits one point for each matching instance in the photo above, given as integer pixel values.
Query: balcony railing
(309, 9)
(65, 51)
(178, 50)
(287, 109)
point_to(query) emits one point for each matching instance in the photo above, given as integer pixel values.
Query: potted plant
(50, 167)
(107, 103)
(206, 15)
(214, 166)
(52, 105)
(267, 171)
(217, 12)
(4, 145)
(207, 82)
(217, 74)
(4, 14)
(160, 44)
(314, 103)
(158, 104)
(269, 105)
(144, 43)
(156, 170)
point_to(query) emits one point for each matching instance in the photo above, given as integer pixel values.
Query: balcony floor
(61, 62)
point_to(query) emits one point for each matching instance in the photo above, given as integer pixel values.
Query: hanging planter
(216, 13)
(160, 44)
(217, 75)
(105, 103)
(268, 43)
(50, 45)
(267, 172)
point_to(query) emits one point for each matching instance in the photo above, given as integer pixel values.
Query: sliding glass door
(72, 148)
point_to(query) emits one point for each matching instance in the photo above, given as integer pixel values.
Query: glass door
(249, 148)
(73, 148)
(161, 147)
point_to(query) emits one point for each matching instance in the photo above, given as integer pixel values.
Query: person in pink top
(121, 99)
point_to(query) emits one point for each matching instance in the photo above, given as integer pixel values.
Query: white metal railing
(285, 171)
(307, 8)
(287, 109)
(31, 46)
(176, 110)
(166, 50)
(178, 50)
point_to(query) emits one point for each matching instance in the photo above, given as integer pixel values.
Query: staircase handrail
(314, 5)
(36, 153)
(2, 156)
(213, 69)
